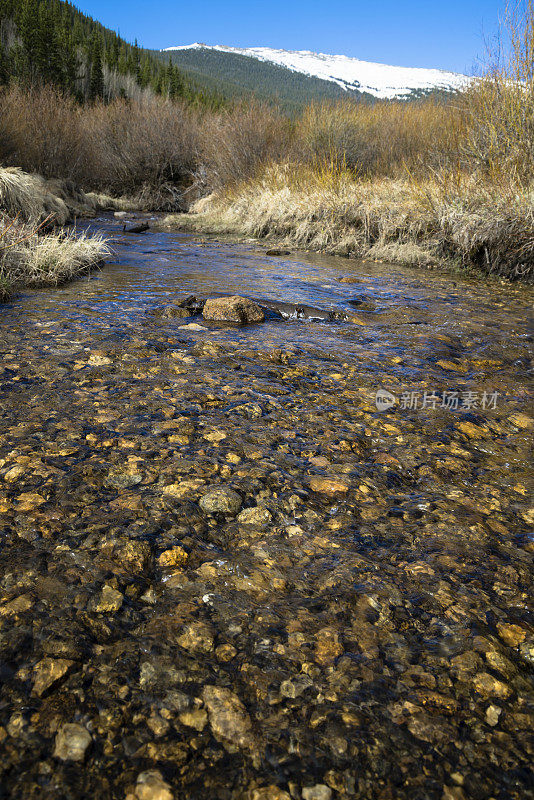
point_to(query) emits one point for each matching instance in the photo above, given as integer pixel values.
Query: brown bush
(238, 141)
(498, 139)
(125, 146)
(40, 131)
(150, 141)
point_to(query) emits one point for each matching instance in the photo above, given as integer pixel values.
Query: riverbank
(429, 224)
(35, 249)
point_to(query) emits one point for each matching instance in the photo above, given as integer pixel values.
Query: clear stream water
(402, 308)
(369, 632)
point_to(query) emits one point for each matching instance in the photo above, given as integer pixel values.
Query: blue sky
(414, 33)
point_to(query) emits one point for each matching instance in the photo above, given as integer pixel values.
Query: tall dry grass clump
(31, 254)
(33, 199)
(20, 194)
(29, 258)
(383, 139)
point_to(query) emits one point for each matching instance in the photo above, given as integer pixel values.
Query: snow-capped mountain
(380, 80)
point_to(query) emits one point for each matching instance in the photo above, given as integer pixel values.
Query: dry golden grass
(28, 258)
(417, 223)
(30, 206)
(32, 199)
(381, 139)
(21, 194)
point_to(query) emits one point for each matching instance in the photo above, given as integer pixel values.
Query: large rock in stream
(233, 309)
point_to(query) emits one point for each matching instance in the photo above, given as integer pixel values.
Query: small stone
(269, 793)
(176, 701)
(328, 647)
(488, 686)
(318, 792)
(215, 436)
(295, 687)
(329, 486)
(174, 312)
(233, 309)
(511, 634)
(175, 557)
(521, 420)
(27, 501)
(123, 480)
(135, 556)
(225, 652)
(149, 597)
(319, 461)
(492, 715)
(222, 500)
(151, 786)
(183, 489)
(72, 742)
(257, 515)
(158, 725)
(453, 793)
(197, 719)
(471, 430)
(110, 600)
(14, 474)
(16, 724)
(48, 672)
(98, 359)
(229, 720)
(197, 638)
(16, 606)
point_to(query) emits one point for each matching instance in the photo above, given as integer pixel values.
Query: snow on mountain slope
(380, 80)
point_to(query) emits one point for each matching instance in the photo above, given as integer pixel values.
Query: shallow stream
(221, 562)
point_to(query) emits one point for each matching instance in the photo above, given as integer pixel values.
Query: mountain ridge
(380, 81)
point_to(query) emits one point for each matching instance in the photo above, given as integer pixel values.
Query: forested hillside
(50, 41)
(234, 75)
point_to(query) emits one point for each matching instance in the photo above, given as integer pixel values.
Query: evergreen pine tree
(96, 85)
(4, 67)
(177, 85)
(29, 35)
(70, 60)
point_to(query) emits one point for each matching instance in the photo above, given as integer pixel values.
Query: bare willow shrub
(40, 131)
(237, 141)
(131, 143)
(382, 138)
(499, 135)
(121, 147)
